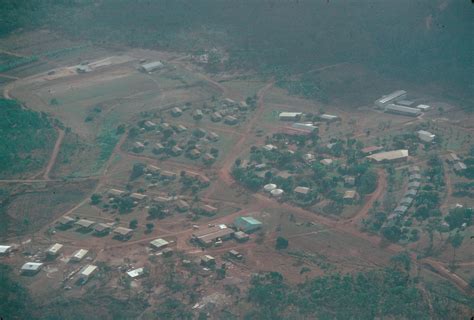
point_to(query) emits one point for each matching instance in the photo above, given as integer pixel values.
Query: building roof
(79, 254)
(102, 227)
(138, 196)
(5, 249)
(392, 96)
(304, 126)
(249, 220)
(460, 166)
(413, 169)
(406, 201)
(371, 149)
(411, 193)
(135, 273)
(159, 243)
(402, 109)
(414, 185)
(123, 231)
(454, 157)
(426, 136)
(302, 190)
(290, 114)
(31, 266)
(389, 155)
(115, 192)
(326, 162)
(328, 116)
(88, 270)
(240, 235)
(350, 194)
(401, 209)
(414, 176)
(84, 223)
(150, 66)
(66, 220)
(54, 249)
(423, 107)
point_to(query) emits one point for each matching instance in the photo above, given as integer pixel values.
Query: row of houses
(100, 229)
(414, 184)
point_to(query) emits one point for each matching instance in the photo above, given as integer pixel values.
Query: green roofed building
(247, 224)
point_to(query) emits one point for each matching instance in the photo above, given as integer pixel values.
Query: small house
(414, 177)
(197, 115)
(349, 181)
(207, 209)
(241, 236)
(230, 120)
(158, 244)
(425, 136)
(235, 254)
(151, 66)
(138, 146)
(326, 162)
(115, 193)
(79, 255)
(86, 273)
(31, 268)
(149, 125)
(302, 190)
(138, 196)
(54, 250)
(195, 153)
(5, 250)
(168, 175)
(66, 221)
(158, 148)
(414, 185)
(411, 193)
(176, 151)
(208, 261)
(136, 273)
(182, 206)
(123, 233)
(212, 136)
(208, 158)
(84, 224)
(102, 228)
(216, 117)
(350, 196)
(176, 112)
(459, 166)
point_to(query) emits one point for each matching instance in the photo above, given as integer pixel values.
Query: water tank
(276, 192)
(269, 187)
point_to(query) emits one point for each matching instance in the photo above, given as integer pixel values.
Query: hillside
(26, 138)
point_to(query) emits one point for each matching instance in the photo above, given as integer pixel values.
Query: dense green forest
(425, 40)
(389, 293)
(24, 136)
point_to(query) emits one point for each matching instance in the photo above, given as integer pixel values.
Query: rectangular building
(159, 244)
(394, 96)
(247, 224)
(389, 156)
(401, 110)
(290, 116)
(54, 249)
(79, 255)
(207, 237)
